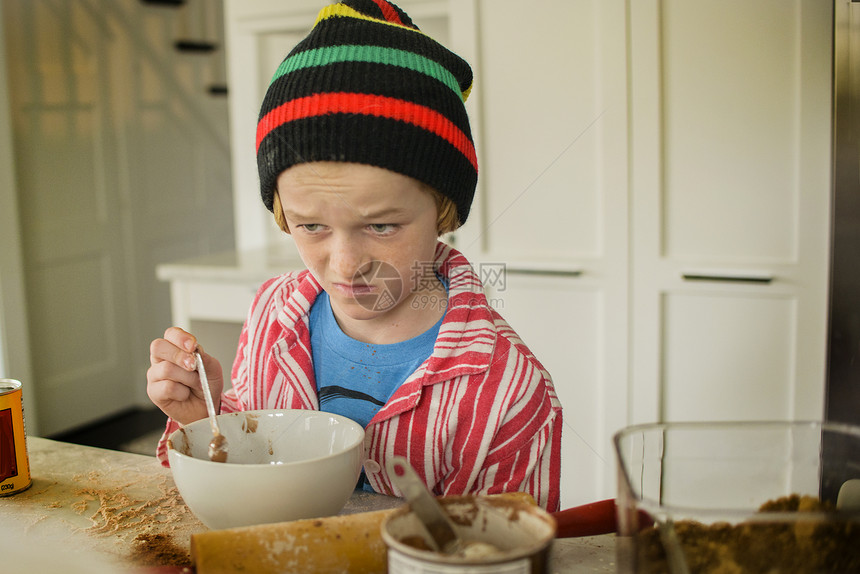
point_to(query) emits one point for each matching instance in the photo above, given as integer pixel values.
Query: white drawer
(217, 300)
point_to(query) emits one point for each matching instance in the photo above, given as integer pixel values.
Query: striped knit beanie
(366, 86)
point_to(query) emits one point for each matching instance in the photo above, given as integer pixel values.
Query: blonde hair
(446, 212)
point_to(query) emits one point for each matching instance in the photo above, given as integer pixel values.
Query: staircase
(196, 28)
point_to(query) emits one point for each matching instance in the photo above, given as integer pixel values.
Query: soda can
(14, 463)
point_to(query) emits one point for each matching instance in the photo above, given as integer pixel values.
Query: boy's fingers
(182, 339)
(165, 350)
(166, 371)
(165, 391)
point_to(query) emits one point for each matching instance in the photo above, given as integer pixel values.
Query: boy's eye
(311, 227)
(382, 227)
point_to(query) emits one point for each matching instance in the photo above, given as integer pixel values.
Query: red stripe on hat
(389, 12)
(369, 105)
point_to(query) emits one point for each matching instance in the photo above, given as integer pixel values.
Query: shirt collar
(466, 337)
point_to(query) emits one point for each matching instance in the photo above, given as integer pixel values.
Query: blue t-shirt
(353, 378)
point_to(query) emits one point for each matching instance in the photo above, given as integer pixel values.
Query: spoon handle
(423, 503)
(207, 394)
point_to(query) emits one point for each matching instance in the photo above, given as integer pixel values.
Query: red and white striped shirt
(480, 415)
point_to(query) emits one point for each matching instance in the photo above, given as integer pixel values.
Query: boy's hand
(172, 382)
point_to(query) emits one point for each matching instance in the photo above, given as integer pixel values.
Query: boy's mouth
(354, 289)
(378, 289)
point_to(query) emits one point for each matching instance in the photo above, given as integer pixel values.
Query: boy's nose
(349, 258)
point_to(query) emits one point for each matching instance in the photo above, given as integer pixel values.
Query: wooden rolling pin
(332, 545)
(350, 543)
(335, 544)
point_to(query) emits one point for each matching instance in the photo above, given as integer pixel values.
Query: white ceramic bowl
(281, 465)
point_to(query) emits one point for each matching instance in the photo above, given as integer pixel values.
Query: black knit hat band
(378, 92)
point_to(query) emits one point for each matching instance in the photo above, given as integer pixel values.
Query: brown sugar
(158, 550)
(828, 545)
(152, 526)
(117, 511)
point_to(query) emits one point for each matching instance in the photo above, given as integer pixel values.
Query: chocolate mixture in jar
(831, 545)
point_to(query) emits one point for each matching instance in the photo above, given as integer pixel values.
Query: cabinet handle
(538, 271)
(488, 269)
(729, 276)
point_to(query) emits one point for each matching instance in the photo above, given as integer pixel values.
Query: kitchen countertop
(255, 265)
(96, 510)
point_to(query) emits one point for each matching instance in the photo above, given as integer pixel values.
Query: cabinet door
(550, 121)
(730, 128)
(121, 161)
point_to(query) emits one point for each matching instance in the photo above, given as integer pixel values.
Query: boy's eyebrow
(377, 215)
(384, 212)
(292, 214)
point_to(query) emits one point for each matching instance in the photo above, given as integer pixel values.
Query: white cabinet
(639, 143)
(623, 145)
(551, 113)
(730, 180)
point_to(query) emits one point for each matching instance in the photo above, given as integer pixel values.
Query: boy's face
(368, 235)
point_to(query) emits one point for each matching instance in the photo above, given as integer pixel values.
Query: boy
(366, 157)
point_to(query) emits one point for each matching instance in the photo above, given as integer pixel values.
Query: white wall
(122, 161)
(14, 346)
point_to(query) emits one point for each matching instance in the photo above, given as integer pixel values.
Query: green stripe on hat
(368, 54)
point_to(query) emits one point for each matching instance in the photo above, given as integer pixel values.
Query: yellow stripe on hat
(340, 10)
(344, 11)
(467, 92)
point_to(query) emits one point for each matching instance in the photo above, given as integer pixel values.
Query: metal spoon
(672, 545)
(218, 445)
(425, 506)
